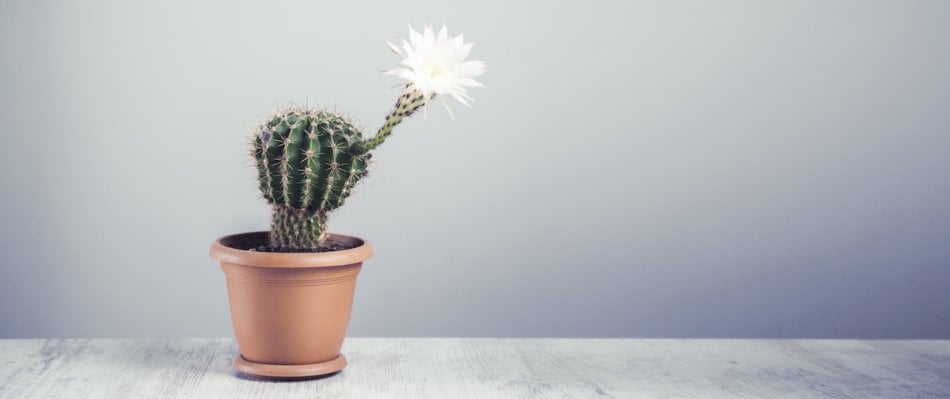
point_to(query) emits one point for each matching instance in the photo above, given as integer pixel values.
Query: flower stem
(410, 101)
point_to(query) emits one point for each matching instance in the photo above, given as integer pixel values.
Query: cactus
(308, 161)
(307, 166)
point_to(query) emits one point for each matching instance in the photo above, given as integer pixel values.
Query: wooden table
(488, 368)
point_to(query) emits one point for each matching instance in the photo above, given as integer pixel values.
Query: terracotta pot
(290, 311)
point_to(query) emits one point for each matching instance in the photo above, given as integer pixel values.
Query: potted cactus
(290, 289)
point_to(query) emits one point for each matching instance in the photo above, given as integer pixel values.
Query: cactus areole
(309, 160)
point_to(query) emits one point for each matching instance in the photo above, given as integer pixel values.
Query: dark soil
(259, 242)
(328, 247)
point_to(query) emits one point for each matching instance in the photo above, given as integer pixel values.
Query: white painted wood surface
(488, 368)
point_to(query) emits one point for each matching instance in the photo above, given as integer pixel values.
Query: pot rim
(289, 260)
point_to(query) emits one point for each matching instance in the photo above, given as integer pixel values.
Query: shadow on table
(251, 377)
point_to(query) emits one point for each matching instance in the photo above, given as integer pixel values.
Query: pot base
(289, 370)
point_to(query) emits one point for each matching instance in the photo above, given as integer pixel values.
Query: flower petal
(395, 49)
(443, 34)
(415, 38)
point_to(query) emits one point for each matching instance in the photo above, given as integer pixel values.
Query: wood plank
(489, 368)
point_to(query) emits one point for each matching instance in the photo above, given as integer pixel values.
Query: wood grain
(489, 368)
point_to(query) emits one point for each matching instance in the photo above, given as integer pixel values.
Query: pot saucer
(289, 370)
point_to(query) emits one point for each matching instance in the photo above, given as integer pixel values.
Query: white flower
(435, 65)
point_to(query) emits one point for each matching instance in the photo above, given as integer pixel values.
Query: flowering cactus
(309, 160)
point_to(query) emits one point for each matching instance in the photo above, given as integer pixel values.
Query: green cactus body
(307, 166)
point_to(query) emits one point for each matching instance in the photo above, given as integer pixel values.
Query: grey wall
(676, 169)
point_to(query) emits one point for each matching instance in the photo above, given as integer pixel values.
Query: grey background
(644, 169)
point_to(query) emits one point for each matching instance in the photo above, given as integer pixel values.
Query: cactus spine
(307, 166)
